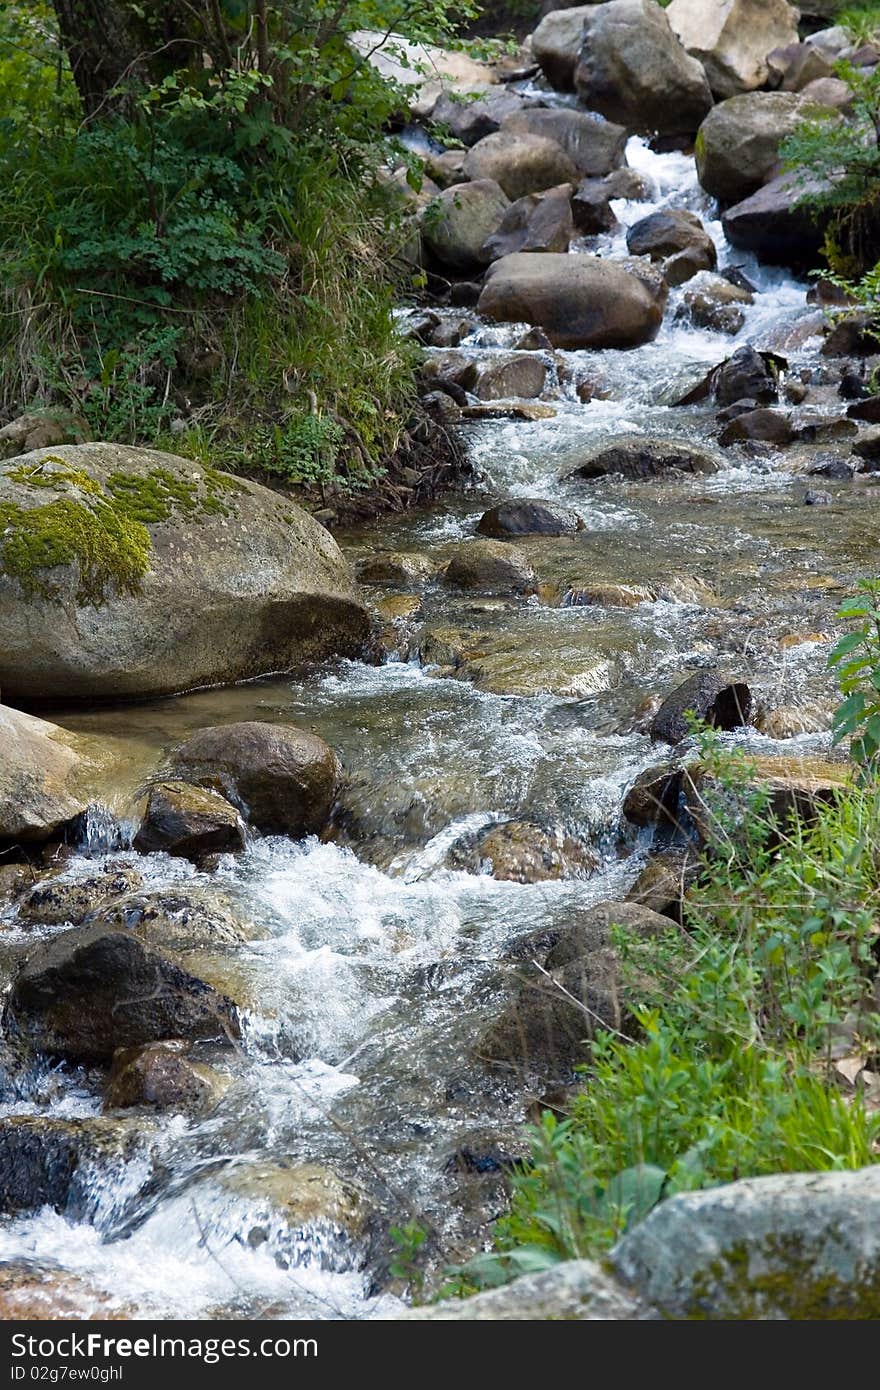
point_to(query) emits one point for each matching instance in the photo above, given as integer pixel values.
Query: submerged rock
(397, 567)
(297, 1197)
(643, 456)
(60, 899)
(87, 992)
(489, 567)
(127, 572)
(796, 1246)
(189, 821)
(523, 852)
(524, 517)
(282, 779)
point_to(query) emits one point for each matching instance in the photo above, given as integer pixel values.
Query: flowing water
(372, 961)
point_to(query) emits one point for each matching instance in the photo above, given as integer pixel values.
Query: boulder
(520, 851)
(85, 993)
(190, 917)
(794, 1246)
(446, 169)
(190, 822)
(456, 224)
(397, 567)
(519, 163)
(574, 1291)
(677, 238)
(41, 429)
(556, 44)
(47, 1161)
(772, 225)
(646, 456)
(704, 695)
(47, 775)
(538, 222)
(737, 146)
(502, 376)
(580, 301)
(853, 335)
(298, 1197)
(424, 70)
(732, 38)
(160, 1076)
(282, 779)
(595, 146)
(15, 881)
(747, 375)
(808, 64)
(489, 567)
(714, 303)
(523, 517)
(654, 797)
(470, 118)
(590, 930)
(632, 69)
(769, 426)
(867, 447)
(130, 572)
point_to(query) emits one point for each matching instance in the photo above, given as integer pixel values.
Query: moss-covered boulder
(792, 1246)
(127, 572)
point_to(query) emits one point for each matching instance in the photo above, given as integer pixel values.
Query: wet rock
(795, 788)
(299, 1197)
(538, 222)
(591, 208)
(47, 1161)
(642, 456)
(814, 498)
(533, 340)
(160, 1076)
(47, 776)
(15, 880)
(837, 469)
(633, 70)
(464, 293)
(489, 567)
(484, 1152)
(796, 1246)
(523, 852)
(867, 447)
(706, 697)
(747, 375)
(607, 596)
(87, 992)
(190, 822)
(664, 883)
(654, 797)
(673, 235)
(397, 567)
(283, 779)
(450, 332)
(580, 301)
(202, 578)
(556, 43)
(732, 39)
(575, 1291)
(772, 225)
(470, 120)
(714, 303)
(855, 335)
(524, 517)
(456, 224)
(788, 721)
(505, 375)
(520, 163)
(595, 930)
(867, 410)
(824, 429)
(769, 426)
(188, 917)
(58, 900)
(509, 410)
(441, 408)
(595, 146)
(32, 1291)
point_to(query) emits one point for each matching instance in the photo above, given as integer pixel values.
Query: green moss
(56, 478)
(781, 1278)
(110, 550)
(157, 496)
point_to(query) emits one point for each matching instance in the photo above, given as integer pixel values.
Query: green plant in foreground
(856, 658)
